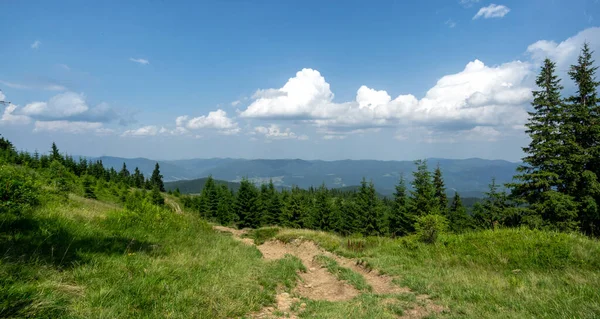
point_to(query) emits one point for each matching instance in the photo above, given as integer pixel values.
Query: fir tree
(458, 219)
(582, 141)
(400, 221)
(545, 163)
(323, 212)
(157, 179)
(295, 211)
(440, 190)
(124, 174)
(272, 214)
(423, 200)
(209, 198)
(138, 178)
(247, 206)
(225, 214)
(156, 197)
(491, 212)
(88, 187)
(369, 209)
(55, 154)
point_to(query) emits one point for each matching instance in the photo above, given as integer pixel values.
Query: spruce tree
(88, 187)
(400, 221)
(582, 141)
(295, 210)
(423, 200)
(55, 154)
(157, 179)
(124, 174)
(440, 190)
(274, 207)
(369, 209)
(138, 178)
(491, 212)
(225, 214)
(323, 212)
(458, 219)
(209, 198)
(247, 206)
(545, 162)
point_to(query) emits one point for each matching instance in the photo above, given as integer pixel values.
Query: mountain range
(470, 177)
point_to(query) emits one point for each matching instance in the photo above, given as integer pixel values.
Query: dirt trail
(319, 284)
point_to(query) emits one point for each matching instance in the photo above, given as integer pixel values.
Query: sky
(385, 80)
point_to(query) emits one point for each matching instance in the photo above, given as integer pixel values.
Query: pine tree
(209, 198)
(138, 178)
(88, 187)
(400, 221)
(273, 211)
(369, 209)
(349, 213)
(124, 174)
(156, 197)
(440, 190)
(458, 219)
(55, 154)
(323, 212)
(423, 200)
(295, 210)
(545, 163)
(582, 142)
(247, 205)
(491, 212)
(225, 214)
(156, 178)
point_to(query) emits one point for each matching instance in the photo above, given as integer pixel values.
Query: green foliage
(18, 192)
(429, 227)
(458, 219)
(369, 209)
(156, 179)
(88, 187)
(400, 220)
(156, 197)
(247, 206)
(261, 235)
(423, 200)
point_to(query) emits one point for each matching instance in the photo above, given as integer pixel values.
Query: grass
(353, 278)
(78, 258)
(506, 273)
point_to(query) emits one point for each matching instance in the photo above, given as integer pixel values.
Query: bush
(428, 227)
(18, 193)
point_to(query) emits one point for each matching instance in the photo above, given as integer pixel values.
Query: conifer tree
(295, 210)
(423, 200)
(55, 154)
(156, 197)
(124, 174)
(491, 212)
(458, 219)
(369, 209)
(225, 214)
(247, 205)
(440, 190)
(351, 223)
(138, 178)
(323, 212)
(582, 142)
(209, 198)
(157, 179)
(274, 206)
(88, 187)
(400, 221)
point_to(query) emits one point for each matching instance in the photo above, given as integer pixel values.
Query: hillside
(72, 257)
(470, 177)
(195, 186)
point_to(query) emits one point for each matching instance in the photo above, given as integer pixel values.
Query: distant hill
(195, 186)
(470, 177)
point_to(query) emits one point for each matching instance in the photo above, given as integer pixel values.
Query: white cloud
(8, 117)
(450, 23)
(565, 52)
(149, 130)
(67, 126)
(64, 67)
(217, 120)
(235, 103)
(60, 106)
(492, 11)
(46, 86)
(275, 132)
(306, 95)
(468, 3)
(36, 44)
(303, 137)
(478, 95)
(140, 61)
(69, 106)
(2, 96)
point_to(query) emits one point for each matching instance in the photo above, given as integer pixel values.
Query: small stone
(303, 305)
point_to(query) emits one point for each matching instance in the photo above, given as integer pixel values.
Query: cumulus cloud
(479, 95)
(468, 3)
(9, 118)
(565, 52)
(275, 132)
(69, 106)
(36, 44)
(492, 11)
(139, 61)
(149, 130)
(216, 120)
(2, 96)
(67, 126)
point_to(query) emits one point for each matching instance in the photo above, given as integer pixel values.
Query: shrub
(428, 227)
(18, 193)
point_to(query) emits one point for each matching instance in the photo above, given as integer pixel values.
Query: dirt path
(317, 283)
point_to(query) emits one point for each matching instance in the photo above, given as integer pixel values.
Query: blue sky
(282, 79)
